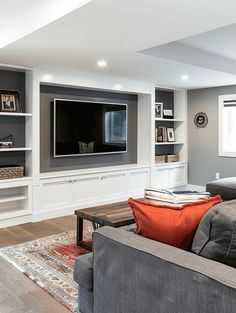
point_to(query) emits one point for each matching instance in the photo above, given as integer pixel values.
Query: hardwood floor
(18, 294)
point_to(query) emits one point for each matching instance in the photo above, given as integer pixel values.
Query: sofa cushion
(215, 237)
(225, 187)
(168, 224)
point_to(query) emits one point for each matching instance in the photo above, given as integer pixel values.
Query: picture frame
(159, 110)
(10, 101)
(168, 114)
(170, 135)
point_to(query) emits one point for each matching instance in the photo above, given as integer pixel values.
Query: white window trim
(221, 152)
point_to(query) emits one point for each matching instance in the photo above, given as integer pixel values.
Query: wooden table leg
(79, 238)
(80, 229)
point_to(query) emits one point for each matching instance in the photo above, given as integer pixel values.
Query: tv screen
(87, 128)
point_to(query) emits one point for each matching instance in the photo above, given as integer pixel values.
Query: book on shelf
(161, 134)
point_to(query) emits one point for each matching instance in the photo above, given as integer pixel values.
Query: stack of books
(161, 134)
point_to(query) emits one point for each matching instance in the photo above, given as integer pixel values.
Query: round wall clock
(201, 120)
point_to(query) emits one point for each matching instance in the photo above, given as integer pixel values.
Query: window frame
(222, 99)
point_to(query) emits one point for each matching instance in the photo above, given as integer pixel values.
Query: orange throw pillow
(171, 225)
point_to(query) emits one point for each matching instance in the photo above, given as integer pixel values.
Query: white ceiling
(122, 32)
(20, 18)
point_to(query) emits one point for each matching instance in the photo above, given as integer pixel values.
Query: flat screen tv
(88, 128)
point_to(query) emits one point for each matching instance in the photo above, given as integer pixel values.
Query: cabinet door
(114, 185)
(161, 179)
(86, 189)
(177, 176)
(137, 181)
(56, 194)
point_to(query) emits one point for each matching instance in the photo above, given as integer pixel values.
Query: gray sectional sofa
(128, 273)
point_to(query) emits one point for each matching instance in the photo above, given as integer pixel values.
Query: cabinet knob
(72, 181)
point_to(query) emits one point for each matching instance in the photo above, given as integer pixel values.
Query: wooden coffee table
(115, 215)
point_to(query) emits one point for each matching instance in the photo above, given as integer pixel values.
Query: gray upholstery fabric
(225, 187)
(85, 301)
(83, 272)
(83, 275)
(215, 237)
(135, 274)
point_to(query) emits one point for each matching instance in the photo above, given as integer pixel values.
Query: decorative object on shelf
(10, 101)
(160, 159)
(170, 158)
(168, 114)
(86, 147)
(170, 135)
(6, 142)
(159, 110)
(11, 171)
(161, 134)
(201, 120)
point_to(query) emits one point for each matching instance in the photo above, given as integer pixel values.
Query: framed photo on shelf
(159, 110)
(168, 114)
(170, 135)
(10, 101)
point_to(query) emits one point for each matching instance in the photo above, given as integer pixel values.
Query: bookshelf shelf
(168, 143)
(168, 120)
(14, 149)
(16, 114)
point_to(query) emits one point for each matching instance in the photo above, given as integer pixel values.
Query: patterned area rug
(49, 262)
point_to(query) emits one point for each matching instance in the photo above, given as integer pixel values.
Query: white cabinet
(170, 175)
(62, 195)
(137, 181)
(113, 185)
(161, 177)
(177, 176)
(56, 194)
(15, 201)
(86, 189)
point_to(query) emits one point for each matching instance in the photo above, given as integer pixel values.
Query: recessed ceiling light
(47, 78)
(102, 63)
(184, 77)
(118, 87)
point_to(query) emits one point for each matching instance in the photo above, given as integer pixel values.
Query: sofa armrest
(135, 274)
(83, 271)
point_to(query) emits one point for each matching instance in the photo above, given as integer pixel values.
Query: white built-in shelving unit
(169, 175)
(16, 194)
(40, 196)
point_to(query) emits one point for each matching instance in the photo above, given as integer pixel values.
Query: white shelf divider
(168, 120)
(15, 114)
(168, 143)
(14, 149)
(11, 198)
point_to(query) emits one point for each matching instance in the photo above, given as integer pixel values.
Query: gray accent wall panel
(203, 157)
(49, 164)
(13, 125)
(167, 98)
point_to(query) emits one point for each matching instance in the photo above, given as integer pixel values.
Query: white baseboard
(15, 221)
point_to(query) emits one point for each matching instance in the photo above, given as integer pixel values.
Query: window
(227, 126)
(115, 127)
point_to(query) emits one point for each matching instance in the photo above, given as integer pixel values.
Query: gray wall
(203, 157)
(50, 164)
(11, 80)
